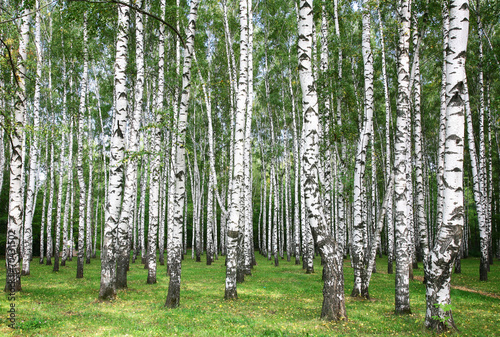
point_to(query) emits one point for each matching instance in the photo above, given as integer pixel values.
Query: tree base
(230, 294)
(79, 268)
(402, 312)
(56, 263)
(107, 294)
(151, 279)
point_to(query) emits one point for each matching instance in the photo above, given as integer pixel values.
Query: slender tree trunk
(79, 166)
(50, 244)
(44, 206)
(88, 234)
(402, 235)
(418, 143)
(30, 195)
(478, 190)
(69, 168)
(173, 295)
(388, 170)
(233, 232)
(154, 185)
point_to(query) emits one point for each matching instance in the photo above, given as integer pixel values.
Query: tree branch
(140, 10)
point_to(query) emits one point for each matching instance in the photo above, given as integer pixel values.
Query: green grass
(274, 301)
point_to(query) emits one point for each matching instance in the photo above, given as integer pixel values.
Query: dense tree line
(344, 128)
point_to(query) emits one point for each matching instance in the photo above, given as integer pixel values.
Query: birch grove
(316, 134)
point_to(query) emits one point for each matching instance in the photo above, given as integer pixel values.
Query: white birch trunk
(233, 230)
(418, 144)
(449, 236)
(30, 194)
(130, 189)
(79, 166)
(360, 226)
(333, 291)
(14, 224)
(173, 296)
(402, 234)
(107, 289)
(44, 206)
(388, 170)
(88, 234)
(50, 243)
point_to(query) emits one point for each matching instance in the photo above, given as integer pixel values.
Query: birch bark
(233, 230)
(402, 235)
(438, 314)
(115, 192)
(173, 295)
(130, 189)
(79, 166)
(14, 224)
(333, 290)
(30, 195)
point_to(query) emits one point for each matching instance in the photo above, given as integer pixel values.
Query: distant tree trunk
(478, 190)
(388, 162)
(50, 244)
(481, 170)
(79, 166)
(438, 314)
(247, 173)
(296, 160)
(402, 234)
(88, 234)
(14, 224)
(69, 168)
(333, 291)
(44, 206)
(30, 195)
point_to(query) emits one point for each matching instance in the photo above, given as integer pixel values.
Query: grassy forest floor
(274, 301)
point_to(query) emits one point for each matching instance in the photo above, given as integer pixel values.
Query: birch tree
(79, 165)
(233, 225)
(333, 289)
(108, 255)
(402, 234)
(30, 195)
(438, 313)
(174, 286)
(130, 190)
(360, 227)
(14, 224)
